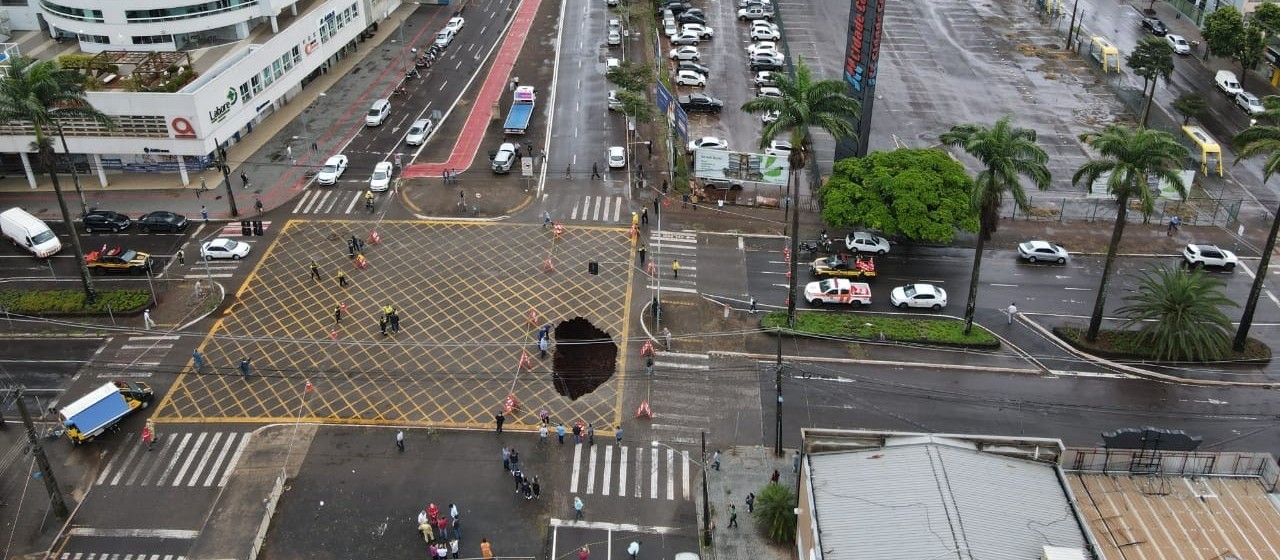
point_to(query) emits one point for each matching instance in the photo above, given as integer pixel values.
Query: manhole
(585, 358)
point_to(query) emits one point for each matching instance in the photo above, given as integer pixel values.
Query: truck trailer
(103, 409)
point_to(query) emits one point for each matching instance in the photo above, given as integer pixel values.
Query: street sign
(526, 166)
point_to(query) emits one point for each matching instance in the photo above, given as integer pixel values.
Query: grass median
(862, 326)
(39, 302)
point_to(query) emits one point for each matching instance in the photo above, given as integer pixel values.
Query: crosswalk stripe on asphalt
(598, 209)
(604, 469)
(116, 556)
(175, 455)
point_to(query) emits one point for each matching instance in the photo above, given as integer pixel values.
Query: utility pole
(226, 178)
(42, 462)
(706, 497)
(777, 381)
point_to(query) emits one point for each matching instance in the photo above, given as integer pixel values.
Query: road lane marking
(591, 470)
(1004, 285)
(606, 483)
(622, 471)
(1078, 289)
(185, 534)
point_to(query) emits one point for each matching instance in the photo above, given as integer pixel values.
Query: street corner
(469, 300)
(466, 197)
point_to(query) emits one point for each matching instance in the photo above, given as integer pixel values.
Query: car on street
(615, 38)
(763, 79)
(617, 157)
(700, 103)
(1227, 82)
(780, 148)
(691, 17)
(333, 169)
(837, 290)
(1155, 26)
(770, 116)
(615, 104)
(698, 29)
(865, 242)
(842, 265)
(1209, 255)
(690, 78)
(381, 178)
(105, 220)
(754, 13)
(769, 91)
(611, 63)
(445, 37)
(764, 33)
(1179, 44)
(709, 142)
(691, 65)
(224, 248)
(455, 24)
(418, 132)
(685, 53)
(685, 38)
(162, 220)
(118, 259)
(1037, 250)
(918, 295)
(760, 47)
(1249, 103)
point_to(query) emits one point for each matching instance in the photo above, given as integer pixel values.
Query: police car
(837, 290)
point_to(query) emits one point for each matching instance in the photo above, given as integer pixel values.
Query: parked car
(677, 8)
(688, 17)
(685, 38)
(919, 295)
(1227, 82)
(455, 24)
(769, 116)
(1209, 255)
(764, 34)
(864, 242)
(769, 91)
(333, 169)
(691, 65)
(698, 29)
(690, 78)
(1249, 103)
(224, 248)
(710, 142)
(162, 220)
(762, 47)
(780, 148)
(418, 132)
(762, 62)
(754, 13)
(1155, 26)
(700, 103)
(615, 104)
(105, 220)
(1179, 44)
(381, 178)
(685, 53)
(669, 28)
(763, 79)
(617, 157)
(1036, 250)
(615, 38)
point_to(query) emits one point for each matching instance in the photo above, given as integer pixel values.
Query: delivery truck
(103, 409)
(521, 111)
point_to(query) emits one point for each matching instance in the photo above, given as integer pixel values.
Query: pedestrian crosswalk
(667, 248)
(600, 209)
(236, 229)
(658, 473)
(139, 356)
(198, 269)
(177, 459)
(115, 556)
(683, 400)
(330, 201)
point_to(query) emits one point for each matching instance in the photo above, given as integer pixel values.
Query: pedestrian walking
(795, 463)
(642, 251)
(393, 319)
(182, 256)
(751, 502)
(288, 152)
(733, 515)
(644, 216)
(518, 477)
(618, 435)
(462, 199)
(772, 479)
(315, 270)
(400, 440)
(506, 459)
(146, 319)
(542, 347)
(245, 367)
(315, 147)
(442, 525)
(453, 546)
(498, 419)
(526, 488)
(457, 528)
(537, 489)
(753, 305)
(198, 359)
(257, 205)
(664, 191)
(382, 324)
(204, 213)
(544, 415)
(591, 434)
(515, 459)
(453, 511)
(485, 550)
(546, 218)
(595, 171)
(675, 268)
(1012, 310)
(337, 314)
(542, 435)
(715, 460)
(1174, 222)
(244, 179)
(568, 172)
(147, 435)
(577, 434)
(633, 549)
(648, 365)
(560, 432)
(666, 336)
(422, 522)
(342, 278)
(577, 514)
(203, 187)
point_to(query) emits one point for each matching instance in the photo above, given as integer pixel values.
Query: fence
(1174, 463)
(1197, 211)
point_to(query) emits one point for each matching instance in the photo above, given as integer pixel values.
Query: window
(277, 69)
(287, 61)
(13, 2)
(245, 94)
(266, 76)
(152, 39)
(256, 82)
(73, 13)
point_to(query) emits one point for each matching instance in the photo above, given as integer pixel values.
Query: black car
(679, 7)
(696, 12)
(769, 63)
(700, 103)
(687, 17)
(1155, 26)
(162, 220)
(691, 65)
(106, 220)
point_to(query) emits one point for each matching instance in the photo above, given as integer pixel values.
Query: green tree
(805, 103)
(1267, 17)
(1007, 153)
(1180, 314)
(1152, 59)
(636, 105)
(1191, 105)
(1228, 35)
(1130, 160)
(631, 76)
(1260, 139)
(776, 512)
(920, 193)
(45, 95)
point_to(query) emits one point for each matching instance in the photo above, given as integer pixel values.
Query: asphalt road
(16, 263)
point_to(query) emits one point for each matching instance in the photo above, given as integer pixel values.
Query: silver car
(419, 131)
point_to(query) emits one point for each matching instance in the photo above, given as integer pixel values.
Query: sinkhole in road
(585, 357)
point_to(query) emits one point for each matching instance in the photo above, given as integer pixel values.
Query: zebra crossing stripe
(182, 473)
(591, 471)
(671, 480)
(164, 476)
(577, 464)
(653, 475)
(221, 455)
(204, 458)
(639, 462)
(622, 472)
(352, 205)
(608, 459)
(685, 454)
(235, 459)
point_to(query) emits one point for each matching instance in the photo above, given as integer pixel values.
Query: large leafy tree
(44, 94)
(1228, 35)
(1191, 105)
(920, 193)
(1130, 160)
(805, 103)
(775, 511)
(1180, 314)
(1152, 59)
(1260, 140)
(1007, 154)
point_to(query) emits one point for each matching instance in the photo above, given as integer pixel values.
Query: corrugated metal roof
(937, 501)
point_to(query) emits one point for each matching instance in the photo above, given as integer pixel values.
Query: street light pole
(226, 177)
(42, 461)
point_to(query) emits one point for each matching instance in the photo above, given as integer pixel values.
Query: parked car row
(115, 222)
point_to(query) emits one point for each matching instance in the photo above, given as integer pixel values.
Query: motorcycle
(411, 73)
(400, 91)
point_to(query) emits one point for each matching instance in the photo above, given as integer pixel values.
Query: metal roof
(938, 500)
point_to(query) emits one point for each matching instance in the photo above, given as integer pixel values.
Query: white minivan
(378, 113)
(28, 232)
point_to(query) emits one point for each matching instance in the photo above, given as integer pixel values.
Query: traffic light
(593, 267)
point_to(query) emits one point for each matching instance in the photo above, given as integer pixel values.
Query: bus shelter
(1106, 54)
(1210, 151)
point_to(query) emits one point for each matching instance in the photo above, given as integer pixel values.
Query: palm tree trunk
(90, 294)
(795, 247)
(971, 306)
(1117, 231)
(1246, 320)
(1146, 107)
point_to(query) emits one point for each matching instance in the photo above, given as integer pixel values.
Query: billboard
(740, 167)
(674, 112)
(861, 59)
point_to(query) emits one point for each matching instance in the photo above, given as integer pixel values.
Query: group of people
(389, 320)
(528, 486)
(442, 533)
(354, 246)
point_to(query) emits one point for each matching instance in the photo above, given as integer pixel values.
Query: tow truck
(103, 409)
(118, 259)
(841, 266)
(838, 290)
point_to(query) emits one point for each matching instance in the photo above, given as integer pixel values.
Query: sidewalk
(743, 470)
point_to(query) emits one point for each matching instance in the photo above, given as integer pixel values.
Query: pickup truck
(754, 13)
(118, 259)
(841, 266)
(700, 103)
(838, 290)
(521, 111)
(103, 409)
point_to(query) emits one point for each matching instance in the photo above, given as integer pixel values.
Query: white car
(617, 157)
(710, 142)
(762, 47)
(381, 179)
(764, 33)
(698, 29)
(1209, 255)
(863, 242)
(764, 78)
(1179, 44)
(669, 28)
(1036, 250)
(615, 104)
(780, 148)
(611, 63)
(919, 295)
(769, 91)
(224, 248)
(1227, 82)
(1249, 103)
(419, 131)
(444, 37)
(685, 53)
(690, 78)
(770, 116)
(685, 38)
(332, 170)
(837, 290)
(455, 24)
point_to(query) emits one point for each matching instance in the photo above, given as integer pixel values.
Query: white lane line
(577, 466)
(231, 465)
(653, 476)
(606, 484)
(622, 472)
(671, 475)
(204, 459)
(591, 470)
(226, 446)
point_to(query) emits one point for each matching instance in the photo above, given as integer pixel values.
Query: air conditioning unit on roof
(1063, 553)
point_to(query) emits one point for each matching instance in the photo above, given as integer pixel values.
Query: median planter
(932, 331)
(1122, 345)
(71, 302)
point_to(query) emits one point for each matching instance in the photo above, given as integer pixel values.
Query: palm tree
(1255, 140)
(1007, 154)
(804, 103)
(44, 94)
(1130, 159)
(1180, 314)
(775, 510)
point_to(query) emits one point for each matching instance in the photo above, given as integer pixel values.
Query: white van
(378, 113)
(28, 232)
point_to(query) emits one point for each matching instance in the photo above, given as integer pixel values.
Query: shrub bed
(859, 326)
(71, 302)
(1123, 345)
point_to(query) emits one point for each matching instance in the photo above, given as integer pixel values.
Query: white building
(276, 46)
